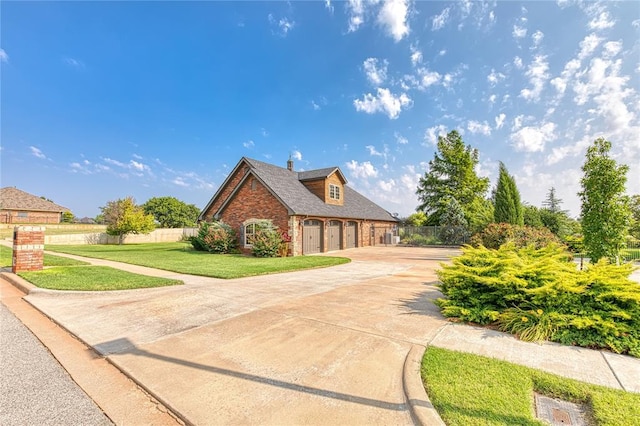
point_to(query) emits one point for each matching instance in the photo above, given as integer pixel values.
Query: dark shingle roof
(286, 185)
(15, 199)
(317, 174)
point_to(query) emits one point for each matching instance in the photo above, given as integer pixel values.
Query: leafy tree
(605, 208)
(508, 208)
(531, 216)
(634, 206)
(417, 219)
(99, 219)
(451, 174)
(67, 217)
(169, 212)
(454, 225)
(124, 217)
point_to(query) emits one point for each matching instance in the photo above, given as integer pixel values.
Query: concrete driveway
(324, 346)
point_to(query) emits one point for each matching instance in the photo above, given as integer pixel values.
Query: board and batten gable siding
(320, 187)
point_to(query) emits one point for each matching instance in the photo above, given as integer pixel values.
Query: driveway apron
(324, 346)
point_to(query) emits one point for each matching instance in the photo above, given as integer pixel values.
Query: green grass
(92, 278)
(49, 259)
(469, 389)
(181, 258)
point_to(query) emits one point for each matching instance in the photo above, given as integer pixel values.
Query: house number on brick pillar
(28, 248)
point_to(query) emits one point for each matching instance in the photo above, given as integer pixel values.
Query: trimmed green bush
(420, 240)
(267, 241)
(497, 234)
(539, 294)
(215, 237)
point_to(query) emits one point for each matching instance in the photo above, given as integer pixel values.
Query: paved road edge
(422, 411)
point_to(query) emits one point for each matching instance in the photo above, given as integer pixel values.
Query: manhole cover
(558, 412)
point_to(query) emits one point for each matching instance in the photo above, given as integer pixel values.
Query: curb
(422, 411)
(21, 284)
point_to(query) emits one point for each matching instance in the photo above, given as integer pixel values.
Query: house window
(251, 227)
(334, 192)
(23, 214)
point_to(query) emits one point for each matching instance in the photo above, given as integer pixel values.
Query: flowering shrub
(497, 234)
(267, 241)
(539, 294)
(215, 237)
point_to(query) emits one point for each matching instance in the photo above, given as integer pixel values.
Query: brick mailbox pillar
(28, 248)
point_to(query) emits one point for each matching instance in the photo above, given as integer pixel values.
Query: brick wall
(226, 192)
(28, 248)
(13, 216)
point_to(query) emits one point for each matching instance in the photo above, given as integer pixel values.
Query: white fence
(160, 235)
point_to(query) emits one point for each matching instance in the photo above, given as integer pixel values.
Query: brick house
(17, 206)
(316, 208)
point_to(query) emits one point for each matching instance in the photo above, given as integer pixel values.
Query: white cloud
(612, 48)
(495, 77)
(517, 61)
(432, 133)
(477, 127)
(384, 101)
(37, 153)
(492, 99)
(363, 170)
(560, 83)
(328, 6)
(442, 52)
(114, 162)
(3, 56)
(537, 38)
(602, 21)
(387, 186)
(75, 63)
(538, 76)
(401, 140)
(248, 144)
(533, 139)
(355, 9)
(282, 25)
(180, 182)
(416, 56)
(588, 46)
(439, 21)
(296, 155)
(500, 121)
(375, 70)
(373, 152)
(393, 18)
(140, 167)
(315, 106)
(519, 32)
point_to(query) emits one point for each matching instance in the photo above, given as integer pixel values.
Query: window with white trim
(334, 192)
(250, 227)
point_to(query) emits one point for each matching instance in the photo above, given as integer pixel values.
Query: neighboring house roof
(287, 187)
(15, 199)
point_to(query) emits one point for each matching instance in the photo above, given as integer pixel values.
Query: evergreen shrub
(539, 294)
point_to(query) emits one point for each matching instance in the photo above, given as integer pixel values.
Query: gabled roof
(15, 199)
(321, 174)
(285, 185)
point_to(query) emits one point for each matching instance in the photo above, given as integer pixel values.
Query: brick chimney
(290, 164)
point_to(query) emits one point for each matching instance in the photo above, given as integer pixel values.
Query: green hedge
(539, 294)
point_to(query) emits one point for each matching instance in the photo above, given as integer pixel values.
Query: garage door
(352, 234)
(312, 237)
(335, 235)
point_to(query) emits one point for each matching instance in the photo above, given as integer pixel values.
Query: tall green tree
(531, 216)
(169, 212)
(454, 225)
(124, 217)
(417, 219)
(634, 205)
(451, 173)
(605, 207)
(508, 208)
(552, 202)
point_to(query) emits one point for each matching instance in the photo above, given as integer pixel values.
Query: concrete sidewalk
(315, 347)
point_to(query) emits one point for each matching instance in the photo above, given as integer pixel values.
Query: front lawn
(182, 258)
(468, 389)
(49, 260)
(92, 278)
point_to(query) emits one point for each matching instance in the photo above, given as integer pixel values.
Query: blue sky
(101, 100)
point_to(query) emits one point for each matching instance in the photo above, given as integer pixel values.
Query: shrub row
(539, 294)
(497, 234)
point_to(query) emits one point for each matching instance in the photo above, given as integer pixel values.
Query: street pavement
(34, 388)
